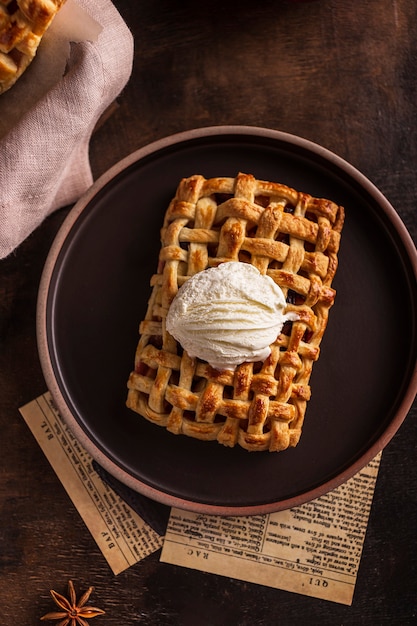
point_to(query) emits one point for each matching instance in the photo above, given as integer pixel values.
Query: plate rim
(42, 330)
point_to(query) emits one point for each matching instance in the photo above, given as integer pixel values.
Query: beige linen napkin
(44, 160)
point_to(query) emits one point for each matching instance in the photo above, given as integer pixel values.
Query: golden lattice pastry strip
(292, 237)
(22, 25)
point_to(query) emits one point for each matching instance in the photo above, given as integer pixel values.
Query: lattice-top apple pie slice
(238, 308)
(22, 26)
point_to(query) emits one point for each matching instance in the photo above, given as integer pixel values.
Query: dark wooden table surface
(341, 73)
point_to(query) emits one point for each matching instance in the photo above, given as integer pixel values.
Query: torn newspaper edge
(120, 533)
(313, 549)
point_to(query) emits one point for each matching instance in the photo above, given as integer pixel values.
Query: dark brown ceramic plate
(95, 289)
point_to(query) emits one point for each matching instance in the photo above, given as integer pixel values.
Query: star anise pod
(72, 613)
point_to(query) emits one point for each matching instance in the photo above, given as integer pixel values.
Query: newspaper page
(313, 549)
(121, 534)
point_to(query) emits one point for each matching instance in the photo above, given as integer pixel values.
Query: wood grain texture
(342, 74)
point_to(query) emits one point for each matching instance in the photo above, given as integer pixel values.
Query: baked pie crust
(291, 236)
(22, 26)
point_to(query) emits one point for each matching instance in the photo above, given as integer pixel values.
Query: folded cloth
(44, 158)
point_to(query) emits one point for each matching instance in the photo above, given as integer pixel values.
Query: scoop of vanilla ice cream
(227, 315)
